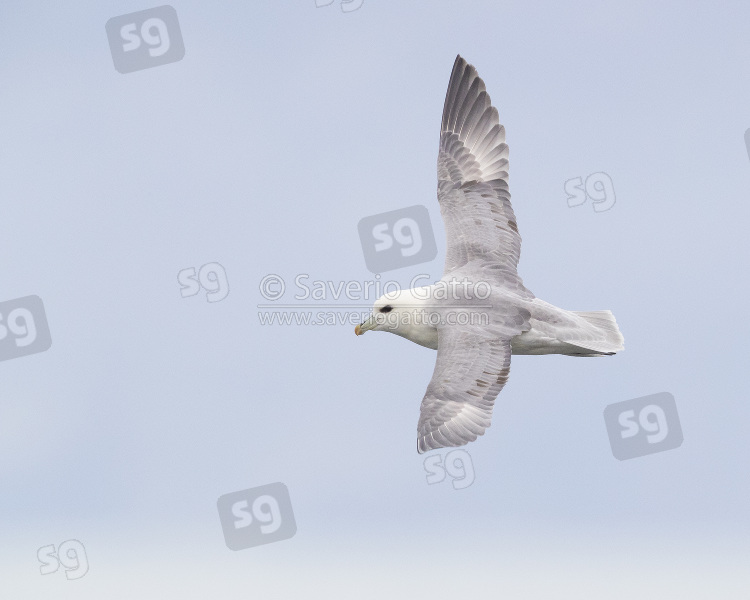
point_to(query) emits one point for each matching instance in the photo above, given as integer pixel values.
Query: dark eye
(386, 309)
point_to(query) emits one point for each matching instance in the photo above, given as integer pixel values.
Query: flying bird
(479, 313)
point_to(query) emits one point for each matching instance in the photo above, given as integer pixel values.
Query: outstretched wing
(473, 177)
(470, 371)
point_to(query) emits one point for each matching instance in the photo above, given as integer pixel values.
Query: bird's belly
(529, 342)
(534, 342)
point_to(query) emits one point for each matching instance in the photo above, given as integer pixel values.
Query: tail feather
(608, 337)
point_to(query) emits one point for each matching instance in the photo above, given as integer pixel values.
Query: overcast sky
(261, 150)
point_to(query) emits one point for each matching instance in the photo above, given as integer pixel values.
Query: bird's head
(384, 315)
(396, 312)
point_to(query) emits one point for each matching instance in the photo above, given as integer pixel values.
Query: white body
(552, 330)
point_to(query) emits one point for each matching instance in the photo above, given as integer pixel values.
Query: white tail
(609, 338)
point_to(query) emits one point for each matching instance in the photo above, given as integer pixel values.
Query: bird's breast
(424, 335)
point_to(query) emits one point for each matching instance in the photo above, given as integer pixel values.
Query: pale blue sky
(281, 128)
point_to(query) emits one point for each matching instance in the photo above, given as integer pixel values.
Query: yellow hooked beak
(368, 324)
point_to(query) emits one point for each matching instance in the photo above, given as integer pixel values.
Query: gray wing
(472, 367)
(473, 177)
